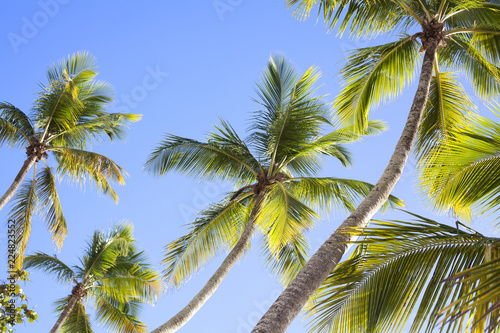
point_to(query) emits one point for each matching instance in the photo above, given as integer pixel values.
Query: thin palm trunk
(17, 181)
(62, 318)
(183, 316)
(317, 269)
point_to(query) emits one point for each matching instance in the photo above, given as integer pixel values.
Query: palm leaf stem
(183, 316)
(17, 181)
(319, 266)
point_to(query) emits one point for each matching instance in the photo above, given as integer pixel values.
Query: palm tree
(463, 175)
(449, 275)
(67, 117)
(276, 189)
(112, 274)
(459, 36)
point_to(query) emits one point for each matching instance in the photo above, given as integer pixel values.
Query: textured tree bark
(17, 181)
(183, 316)
(317, 269)
(71, 304)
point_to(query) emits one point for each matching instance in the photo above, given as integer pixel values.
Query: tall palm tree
(463, 175)
(112, 274)
(67, 117)
(274, 172)
(458, 36)
(447, 274)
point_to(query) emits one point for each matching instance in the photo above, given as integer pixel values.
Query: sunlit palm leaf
(398, 267)
(286, 260)
(15, 126)
(51, 265)
(373, 75)
(464, 176)
(447, 107)
(283, 217)
(216, 229)
(118, 318)
(81, 165)
(50, 207)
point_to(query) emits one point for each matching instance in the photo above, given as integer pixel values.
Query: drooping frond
(77, 321)
(464, 176)
(121, 318)
(286, 260)
(50, 207)
(224, 157)
(81, 165)
(217, 228)
(397, 267)
(50, 264)
(24, 206)
(111, 125)
(331, 194)
(374, 75)
(291, 115)
(15, 126)
(447, 108)
(283, 216)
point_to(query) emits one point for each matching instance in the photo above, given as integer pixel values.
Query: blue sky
(182, 65)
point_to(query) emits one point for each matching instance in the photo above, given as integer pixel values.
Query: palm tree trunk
(71, 304)
(17, 181)
(183, 316)
(317, 269)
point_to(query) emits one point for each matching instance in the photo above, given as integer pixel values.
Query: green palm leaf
(51, 265)
(373, 75)
(80, 165)
(398, 267)
(218, 228)
(120, 317)
(78, 320)
(15, 126)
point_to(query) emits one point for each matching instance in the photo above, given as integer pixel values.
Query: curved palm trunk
(17, 181)
(317, 269)
(71, 304)
(183, 316)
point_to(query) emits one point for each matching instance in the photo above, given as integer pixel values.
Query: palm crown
(112, 274)
(66, 118)
(272, 170)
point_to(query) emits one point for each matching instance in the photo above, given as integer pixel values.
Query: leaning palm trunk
(183, 316)
(17, 181)
(64, 315)
(313, 274)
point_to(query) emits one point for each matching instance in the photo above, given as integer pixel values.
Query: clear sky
(182, 65)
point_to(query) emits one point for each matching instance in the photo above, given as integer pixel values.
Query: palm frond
(217, 228)
(447, 107)
(334, 193)
(374, 75)
(81, 165)
(50, 264)
(222, 158)
(50, 207)
(120, 317)
(282, 217)
(464, 175)
(77, 321)
(397, 267)
(288, 259)
(15, 126)
(24, 206)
